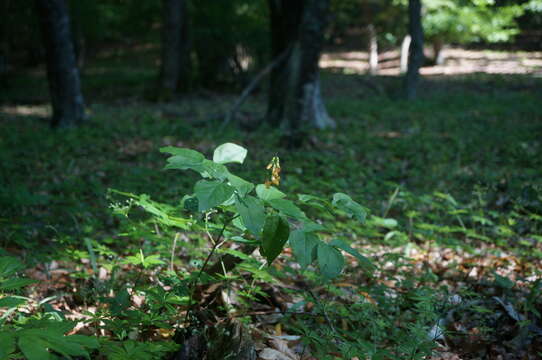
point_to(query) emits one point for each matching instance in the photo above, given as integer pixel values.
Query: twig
(248, 90)
(216, 244)
(177, 235)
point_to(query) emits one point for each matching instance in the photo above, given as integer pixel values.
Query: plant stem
(216, 244)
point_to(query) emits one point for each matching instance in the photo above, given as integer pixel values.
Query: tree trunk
(438, 54)
(405, 46)
(4, 48)
(416, 57)
(172, 44)
(373, 50)
(295, 99)
(64, 83)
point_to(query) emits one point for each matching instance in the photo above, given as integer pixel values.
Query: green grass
(454, 139)
(459, 168)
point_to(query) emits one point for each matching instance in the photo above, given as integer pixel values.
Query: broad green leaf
(330, 260)
(85, 341)
(7, 344)
(229, 153)
(304, 247)
(63, 345)
(252, 213)
(242, 186)
(185, 159)
(238, 223)
(212, 193)
(210, 169)
(34, 348)
(385, 223)
(275, 234)
(288, 208)
(363, 261)
(352, 208)
(182, 159)
(9, 266)
(269, 193)
(16, 283)
(311, 226)
(11, 302)
(314, 201)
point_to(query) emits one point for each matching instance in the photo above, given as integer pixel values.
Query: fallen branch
(248, 90)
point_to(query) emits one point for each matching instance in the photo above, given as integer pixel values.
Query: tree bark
(295, 99)
(416, 57)
(64, 82)
(174, 15)
(373, 50)
(4, 48)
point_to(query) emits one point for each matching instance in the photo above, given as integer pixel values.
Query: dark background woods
(440, 144)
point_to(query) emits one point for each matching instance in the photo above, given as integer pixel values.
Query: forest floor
(453, 182)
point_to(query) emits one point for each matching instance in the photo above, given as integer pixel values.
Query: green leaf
(9, 266)
(34, 348)
(212, 193)
(252, 213)
(330, 260)
(288, 208)
(275, 234)
(352, 208)
(12, 301)
(63, 345)
(311, 226)
(16, 283)
(385, 223)
(7, 344)
(190, 203)
(242, 186)
(85, 341)
(182, 159)
(314, 201)
(363, 261)
(152, 260)
(304, 247)
(210, 169)
(185, 159)
(269, 193)
(229, 153)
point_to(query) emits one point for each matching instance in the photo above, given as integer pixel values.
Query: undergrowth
(451, 182)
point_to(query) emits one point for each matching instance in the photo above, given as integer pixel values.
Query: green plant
(38, 336)
(261, 216)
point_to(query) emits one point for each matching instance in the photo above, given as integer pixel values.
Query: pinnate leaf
(363, 261)
(304, 246)
(330, 260)
(265, 192)
(212, 193)
(352, 208)
(287, 208)
(275, 234)
(229, 153)
(252, 213)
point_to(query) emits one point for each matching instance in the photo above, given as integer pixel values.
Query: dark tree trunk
(295, 99)
(173, 41)
(284, 20)
(64, 83)
(415, 57)
(4, 49)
